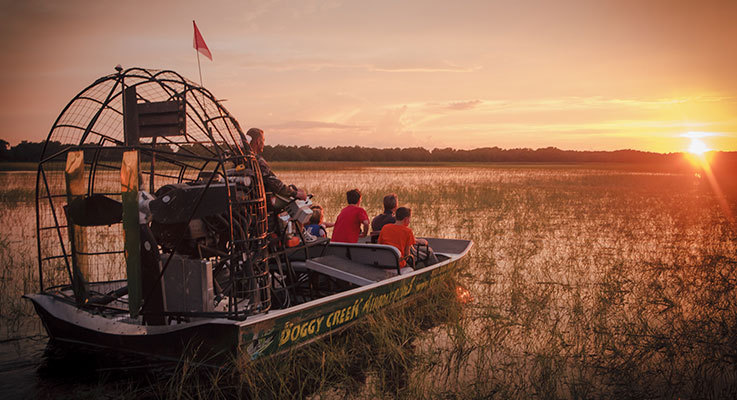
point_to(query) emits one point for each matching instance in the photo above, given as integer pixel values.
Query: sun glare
(701, 157)
(697, 147)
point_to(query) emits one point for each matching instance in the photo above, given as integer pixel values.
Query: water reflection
(37, 368)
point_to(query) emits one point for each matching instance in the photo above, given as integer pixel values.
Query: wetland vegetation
(585, 281)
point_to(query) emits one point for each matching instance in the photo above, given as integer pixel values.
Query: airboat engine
(196, 229)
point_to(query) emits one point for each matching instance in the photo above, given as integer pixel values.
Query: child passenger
(400, 235)
(387, 217)
(317, 225)
(352, 222)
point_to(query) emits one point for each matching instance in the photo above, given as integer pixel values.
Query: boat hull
(281, 330)
(213, 341)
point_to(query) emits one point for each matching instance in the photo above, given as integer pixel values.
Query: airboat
(156, 235)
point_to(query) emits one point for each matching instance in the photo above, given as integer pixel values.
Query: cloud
(312, 125)
(700, 135)
(277, 15)
(286, 63)
(304, 64)
(579, 108)
(444, 67)
(392, 123)
(463, 105)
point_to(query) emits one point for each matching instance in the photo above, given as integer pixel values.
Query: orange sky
(584, 75)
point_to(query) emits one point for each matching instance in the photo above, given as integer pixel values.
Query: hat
(255, 132)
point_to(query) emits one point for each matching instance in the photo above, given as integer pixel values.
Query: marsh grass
(587, 281)
(373, 358)
(16, 195)
(18, 166)
(18, 275)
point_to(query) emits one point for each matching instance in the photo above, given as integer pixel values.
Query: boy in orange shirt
(401, 236)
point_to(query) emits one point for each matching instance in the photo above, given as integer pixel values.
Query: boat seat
(95, 210)
(347, 270)
(377, 255)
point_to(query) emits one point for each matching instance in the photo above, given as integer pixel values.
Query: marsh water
(585, 281)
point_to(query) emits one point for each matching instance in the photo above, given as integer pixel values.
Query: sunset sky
(581, 75)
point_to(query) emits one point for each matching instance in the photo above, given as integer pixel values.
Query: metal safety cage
(184, 142)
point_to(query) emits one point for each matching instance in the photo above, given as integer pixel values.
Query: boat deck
(347, 270)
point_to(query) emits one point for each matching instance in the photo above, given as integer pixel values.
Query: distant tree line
(31, 152)
(26, 151)
(484, 154)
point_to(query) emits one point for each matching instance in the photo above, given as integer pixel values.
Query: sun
(697, 147)
(698, 154)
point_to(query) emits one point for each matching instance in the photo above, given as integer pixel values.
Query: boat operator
(271, 182)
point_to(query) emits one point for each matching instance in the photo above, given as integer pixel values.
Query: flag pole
(198, 66)
(197, 50)
(200, 47)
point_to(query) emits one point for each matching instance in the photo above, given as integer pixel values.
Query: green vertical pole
(131, 227)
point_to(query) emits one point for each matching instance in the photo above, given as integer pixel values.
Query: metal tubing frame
(227, 145)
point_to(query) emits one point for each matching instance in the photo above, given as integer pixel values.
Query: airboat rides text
(293, 333)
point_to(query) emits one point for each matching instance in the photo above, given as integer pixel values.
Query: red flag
(199, 43)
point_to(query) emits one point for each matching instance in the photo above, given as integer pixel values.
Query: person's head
(403, 215)
(316, 217)
(257, 140)
(353, 196)
(390, 202)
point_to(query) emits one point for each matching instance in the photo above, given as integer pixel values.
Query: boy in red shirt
(352, 222)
